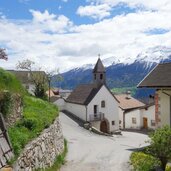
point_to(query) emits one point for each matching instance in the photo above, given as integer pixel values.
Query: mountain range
(124, 72)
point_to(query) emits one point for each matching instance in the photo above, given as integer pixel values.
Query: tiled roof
(128, 102)
(99, 67)
(83, 94)
(160, 76)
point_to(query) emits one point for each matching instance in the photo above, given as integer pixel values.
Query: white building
(94, 103)
(160, 79)
(26, 78)
(134, 114)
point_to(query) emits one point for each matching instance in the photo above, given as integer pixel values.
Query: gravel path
(92, 152)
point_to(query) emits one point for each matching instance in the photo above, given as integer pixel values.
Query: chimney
(128, 94)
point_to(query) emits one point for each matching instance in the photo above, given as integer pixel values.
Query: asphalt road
(91, 152)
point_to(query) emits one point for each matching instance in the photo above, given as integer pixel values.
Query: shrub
(143, 162)
(29, 123)
(168, 168)
(160, 145)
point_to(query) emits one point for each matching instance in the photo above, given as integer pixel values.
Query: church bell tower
(99, 73)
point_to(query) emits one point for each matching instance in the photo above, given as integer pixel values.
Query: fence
(5, 147)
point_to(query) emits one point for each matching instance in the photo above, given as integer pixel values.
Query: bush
(168, 168)
(160, 145)
(29, 123)
(143, 162)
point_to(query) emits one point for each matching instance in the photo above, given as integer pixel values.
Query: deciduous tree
(3, 54)
(39, 78)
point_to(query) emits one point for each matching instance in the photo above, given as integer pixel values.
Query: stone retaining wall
(16, 110)
(42, 151)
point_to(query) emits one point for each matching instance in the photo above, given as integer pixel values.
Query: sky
(63, 34)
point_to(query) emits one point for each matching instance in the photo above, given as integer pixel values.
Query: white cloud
(152, 4)
(95, 11)
(55, 42)
(50, 22)
(102, 8)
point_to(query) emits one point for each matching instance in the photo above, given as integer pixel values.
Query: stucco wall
(164, 107)
(110, 111)
(60, 103)
(96, 124)
(42, 151)
(150, 115)
(128, 119)
(30, 88)
(121, 118)
(76, 109)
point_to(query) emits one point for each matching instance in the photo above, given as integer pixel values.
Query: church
(94, 103)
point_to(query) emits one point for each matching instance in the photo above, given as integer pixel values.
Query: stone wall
(16, 110)
(42, 151)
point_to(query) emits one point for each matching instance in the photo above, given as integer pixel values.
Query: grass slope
(37, 115)
(9, 82)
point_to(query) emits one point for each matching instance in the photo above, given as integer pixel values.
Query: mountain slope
(125, 72)
(118, 75)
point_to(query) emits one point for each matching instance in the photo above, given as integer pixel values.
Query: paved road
(92, 152)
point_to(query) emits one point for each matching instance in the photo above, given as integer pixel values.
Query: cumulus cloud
(50, 22)
(153, 4)
(54, 41)
(95, 11)
(106, 6)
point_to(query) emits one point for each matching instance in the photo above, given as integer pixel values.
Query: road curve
(91, 152)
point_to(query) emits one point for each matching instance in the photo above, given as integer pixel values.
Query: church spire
(99, 72)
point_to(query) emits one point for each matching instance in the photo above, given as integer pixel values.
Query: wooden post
(49, 87)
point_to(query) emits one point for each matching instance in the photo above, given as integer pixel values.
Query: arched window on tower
(101, 76)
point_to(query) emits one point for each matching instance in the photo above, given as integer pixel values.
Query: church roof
(99, 67)
(83, 94)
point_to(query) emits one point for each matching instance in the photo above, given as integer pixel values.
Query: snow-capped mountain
(156, 54)
(125, 72)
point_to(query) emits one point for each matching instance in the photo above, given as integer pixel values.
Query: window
(101, 76)
(102, 103)
(153, 123)
(95, 109)
(113, 122)
(134, 120)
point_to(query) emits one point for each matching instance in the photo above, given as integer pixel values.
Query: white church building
(94, 103)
